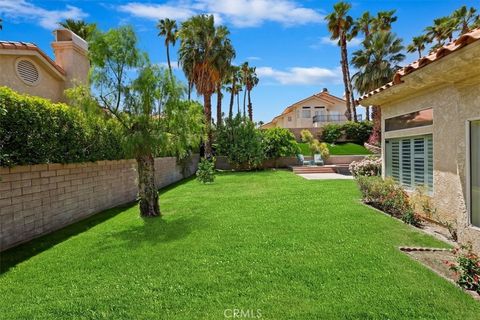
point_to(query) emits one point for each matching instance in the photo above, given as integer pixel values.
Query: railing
(332, 118)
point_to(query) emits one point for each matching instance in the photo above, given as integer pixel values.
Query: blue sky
(286, 40)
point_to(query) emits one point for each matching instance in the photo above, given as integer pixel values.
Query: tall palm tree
(200, 44)
(233, 82)
(81, 28)
(441, 30)
(384, 20)
(465, 18)
(225, 55)
(1, 24)
(251, 81)
(377, 62)
(339, 25)
(363, 25)
(244, 72)
(418, 45)
(168, 28)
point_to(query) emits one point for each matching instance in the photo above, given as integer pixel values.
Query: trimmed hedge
(34, 130)
(357, 132)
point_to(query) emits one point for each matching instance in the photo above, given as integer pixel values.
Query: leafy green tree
(340, 25)
(81, 28)
(200, 45)
(145, 101)
(168, 28)
(240, 142)
(279, 142)
(315, 146)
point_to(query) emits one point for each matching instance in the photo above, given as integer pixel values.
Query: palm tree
(442, 30)
(233, 82)
(81, 28)
(418, 45)
(251, 81)
(465, 19)
(363, 25)
(244, 72)
(200, 44)
(377, 62)
(168, 28)
(339, 25)
(1, 24)
(384, 20)
(225, 55)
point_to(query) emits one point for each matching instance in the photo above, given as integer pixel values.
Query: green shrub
(358, 132)
(241, 143)
(279, 142)
(387, 196)
(206, 171)
(35, 130)
(331, 132)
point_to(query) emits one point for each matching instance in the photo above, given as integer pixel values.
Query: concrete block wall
(38, 199)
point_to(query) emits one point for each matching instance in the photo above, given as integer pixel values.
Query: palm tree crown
(81, 28)
(168, 28)
(418, 45)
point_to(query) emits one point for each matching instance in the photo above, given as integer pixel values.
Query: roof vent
(27, 71)
(324, 90)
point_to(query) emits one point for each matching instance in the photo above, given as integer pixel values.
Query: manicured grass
(296, 249)
(339, 149)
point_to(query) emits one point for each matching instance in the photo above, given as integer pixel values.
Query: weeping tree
(146, 102)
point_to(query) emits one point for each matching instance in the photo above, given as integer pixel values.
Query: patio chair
(317, 159)
(302, 161)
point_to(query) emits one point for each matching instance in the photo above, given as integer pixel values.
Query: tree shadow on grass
(154, 231)
(11, 257)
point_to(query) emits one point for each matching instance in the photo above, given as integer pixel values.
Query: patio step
(319, 169)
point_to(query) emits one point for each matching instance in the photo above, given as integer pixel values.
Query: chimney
(325, 90)
(71, 53)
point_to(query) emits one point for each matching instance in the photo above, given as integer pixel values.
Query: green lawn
(293, 248)
(339, 149)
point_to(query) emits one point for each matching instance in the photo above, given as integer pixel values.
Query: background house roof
(438, 54)
(15, 45)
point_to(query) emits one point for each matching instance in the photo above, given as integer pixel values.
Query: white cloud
(157, 11)
(239, 13)
(301, 75)
(48, 19)
(326, 40)
(253, 58)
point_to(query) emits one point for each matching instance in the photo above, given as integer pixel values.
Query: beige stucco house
(27, 69)
(431, 131)
(311, 113)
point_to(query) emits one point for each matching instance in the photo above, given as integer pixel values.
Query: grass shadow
(13, 256)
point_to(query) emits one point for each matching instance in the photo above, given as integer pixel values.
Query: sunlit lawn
(293, 248)
(339, 149)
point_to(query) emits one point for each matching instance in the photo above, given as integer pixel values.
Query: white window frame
(468, 172)
(412, 160)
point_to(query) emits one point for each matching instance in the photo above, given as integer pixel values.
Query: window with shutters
(475, 173)
(409, 161)
(27, 72)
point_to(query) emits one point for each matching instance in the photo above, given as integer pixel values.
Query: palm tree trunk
(168, 61)
(344, 62)
(367, 113)
(353, 103)
(250, 109)
(375, 137)
(219, 105)
(232, 97)
(190, 85)
(147, 191)
(238, 102)
(207, 101)
(244, 101)
(419, 53)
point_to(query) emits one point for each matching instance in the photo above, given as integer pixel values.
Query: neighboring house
(27, 69)
(431, 131)
(311, 113)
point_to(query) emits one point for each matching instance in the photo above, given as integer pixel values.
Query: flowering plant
(467, 268)
(370, 166)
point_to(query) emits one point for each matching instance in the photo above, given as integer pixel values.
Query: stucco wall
(36, 200)
(48, 86)
(452, 105)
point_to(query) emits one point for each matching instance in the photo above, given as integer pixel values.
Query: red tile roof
(14, 45)
(453, 46)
